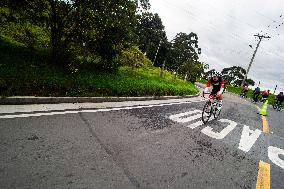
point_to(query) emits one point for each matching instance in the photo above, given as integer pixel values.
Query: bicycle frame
(213, 109)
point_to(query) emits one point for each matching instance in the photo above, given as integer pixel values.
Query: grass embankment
(26, 73)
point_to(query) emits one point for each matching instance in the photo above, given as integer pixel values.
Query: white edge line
(93, 111)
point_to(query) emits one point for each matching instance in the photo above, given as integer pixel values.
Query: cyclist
(256, 93)
(265, 95)
(244, 90)
(280, 99)
(218, 88)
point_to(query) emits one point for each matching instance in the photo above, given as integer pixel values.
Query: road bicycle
(263, 99)
(210, 108)
(243, 95)
(277, 105)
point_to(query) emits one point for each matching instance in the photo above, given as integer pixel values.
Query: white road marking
(173, 117)
(93, 111)
(196, 124)
(199, 123)
(37, 114)
(208, 130)
(248, 138)
(32, 108)
(273, 154)
(179, 117)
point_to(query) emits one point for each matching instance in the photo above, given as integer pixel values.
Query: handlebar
(204, 93)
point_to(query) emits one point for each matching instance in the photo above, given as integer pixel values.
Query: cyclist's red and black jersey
(265, 94)
(245, 88)
(217, 85)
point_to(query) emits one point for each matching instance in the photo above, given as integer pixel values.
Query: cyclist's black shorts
(214, 91)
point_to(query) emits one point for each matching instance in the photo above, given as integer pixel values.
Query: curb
(20, 100)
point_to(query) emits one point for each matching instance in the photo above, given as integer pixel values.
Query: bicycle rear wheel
(207, 112)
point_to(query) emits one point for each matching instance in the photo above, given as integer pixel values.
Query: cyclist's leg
(280, 103)
(220, 101)
(212, 94)
(246, 92)
(256, 98)
(220, 97)
(253, 96)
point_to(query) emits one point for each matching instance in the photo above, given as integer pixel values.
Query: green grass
(23, 73)
(27, 71)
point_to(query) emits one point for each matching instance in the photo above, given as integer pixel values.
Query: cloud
(227, 28)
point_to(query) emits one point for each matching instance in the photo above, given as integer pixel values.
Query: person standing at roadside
(256, 94)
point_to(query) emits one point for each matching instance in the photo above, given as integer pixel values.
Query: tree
(209, 74)
(52, 14)
(98, 27)
(234, 75)
(184, 49)
(106, 27)
(204, 67)
(250, 82)
(191, 70)
(150, 30)
(183, 56)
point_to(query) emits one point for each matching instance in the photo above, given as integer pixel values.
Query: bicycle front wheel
(207, 112)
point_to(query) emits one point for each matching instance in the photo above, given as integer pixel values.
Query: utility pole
(275, 89)
(260, 37)
(157, 51)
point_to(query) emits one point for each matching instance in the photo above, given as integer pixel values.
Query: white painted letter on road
(178, 117)
(248, 138)
(273, 154)
(208, 130)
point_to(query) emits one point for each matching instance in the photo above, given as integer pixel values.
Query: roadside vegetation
(32, 75)
(238, 90)
(92, 48)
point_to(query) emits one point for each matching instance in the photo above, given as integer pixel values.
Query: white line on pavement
(95, 110)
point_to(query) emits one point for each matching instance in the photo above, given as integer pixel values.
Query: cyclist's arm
(222, 87)
(206, 90)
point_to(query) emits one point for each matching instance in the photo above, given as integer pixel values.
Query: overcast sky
(226, 28)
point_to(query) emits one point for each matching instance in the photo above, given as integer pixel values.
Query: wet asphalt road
(142, 147)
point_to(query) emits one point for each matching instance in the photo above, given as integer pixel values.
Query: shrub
(127, 58)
